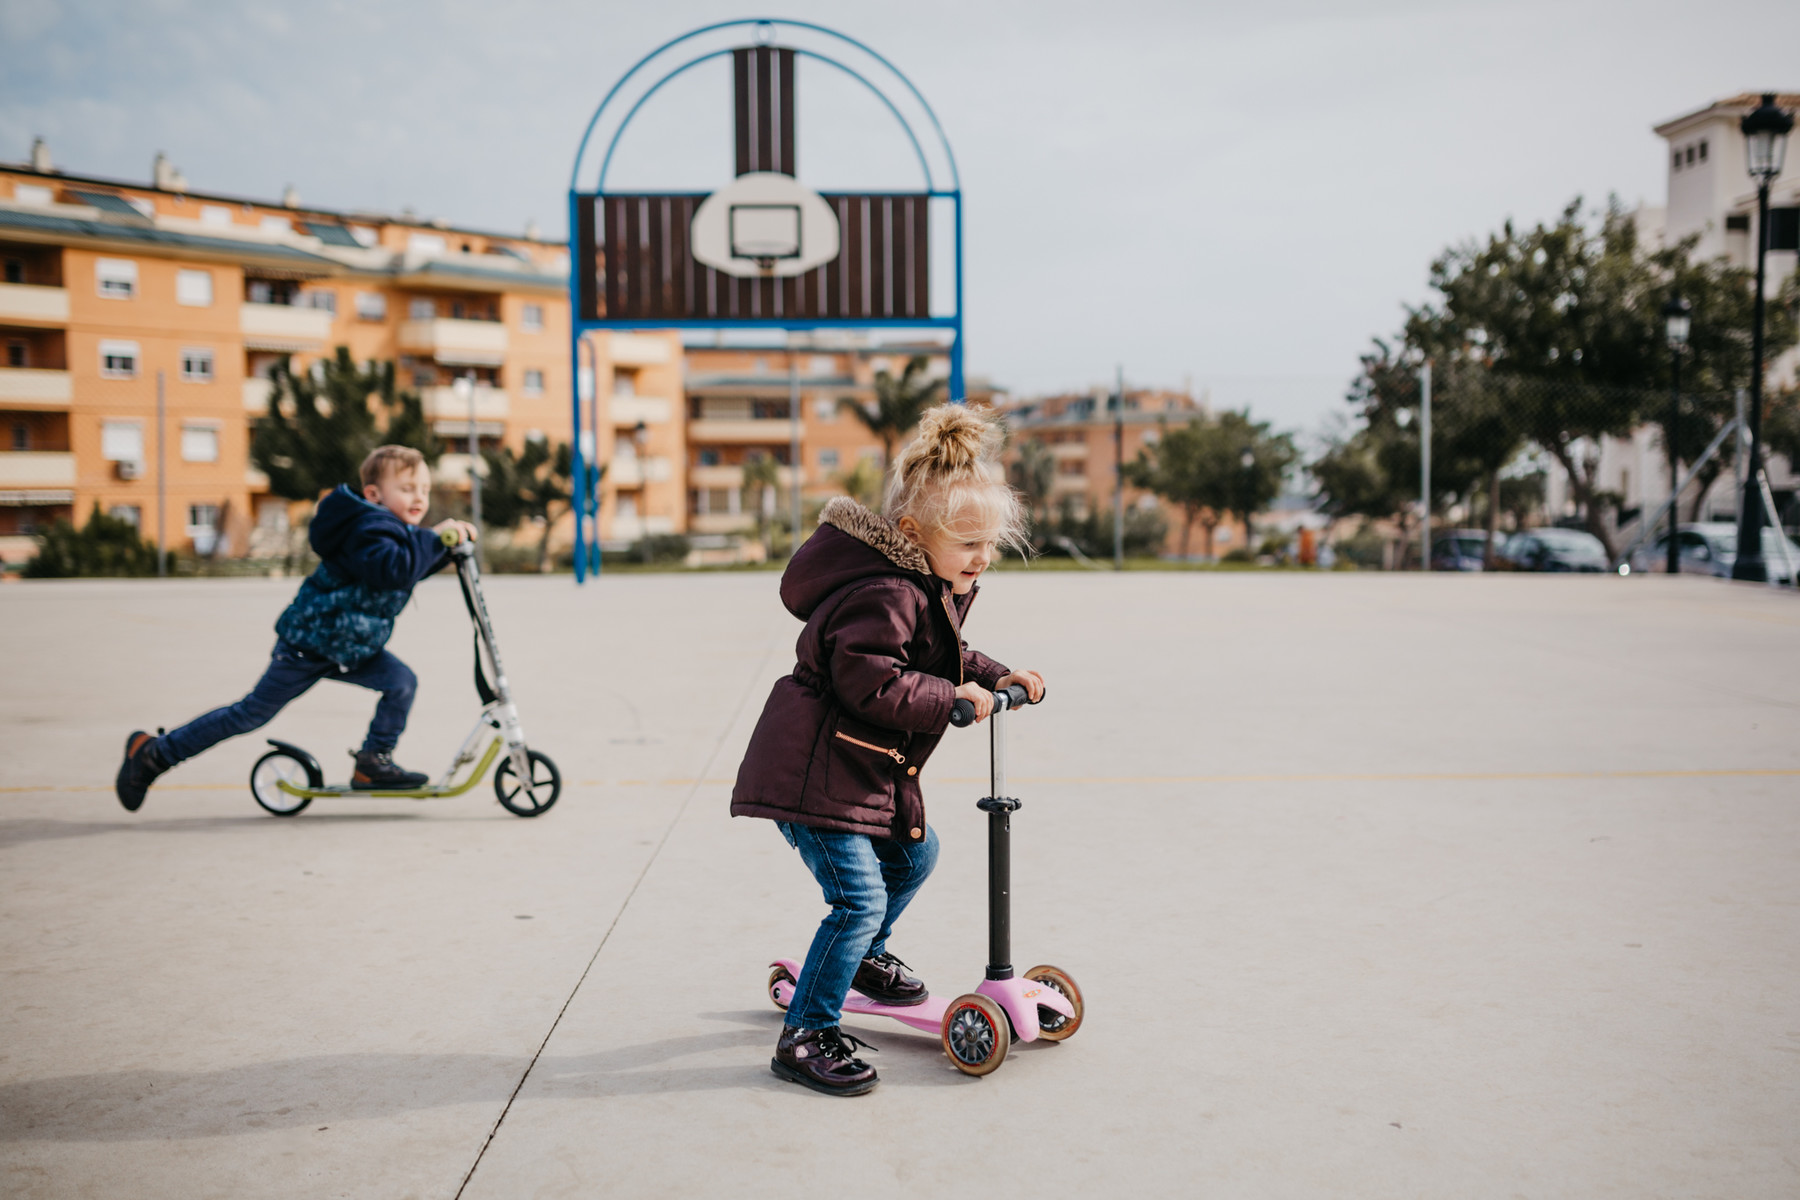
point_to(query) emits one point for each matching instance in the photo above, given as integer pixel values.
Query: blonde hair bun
(949, 478)
(953, 441)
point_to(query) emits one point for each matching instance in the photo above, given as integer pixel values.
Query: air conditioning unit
(128, 469)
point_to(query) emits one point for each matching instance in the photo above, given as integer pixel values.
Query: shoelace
(885, 959)
(839, 1046)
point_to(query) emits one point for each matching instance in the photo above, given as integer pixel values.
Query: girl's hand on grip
(980, 697)
(1031, 681)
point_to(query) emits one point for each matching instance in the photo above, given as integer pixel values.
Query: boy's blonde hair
(948, 479)
(383, 460)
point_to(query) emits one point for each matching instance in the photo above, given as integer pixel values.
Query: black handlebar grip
(962, 712)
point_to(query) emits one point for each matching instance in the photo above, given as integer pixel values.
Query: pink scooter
(977, 1027)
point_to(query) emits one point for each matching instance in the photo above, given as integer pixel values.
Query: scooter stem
(999, 809)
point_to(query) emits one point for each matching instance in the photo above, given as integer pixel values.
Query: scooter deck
(927, 1016)
(1021, 998)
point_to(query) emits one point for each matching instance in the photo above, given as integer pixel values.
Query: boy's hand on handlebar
(1031, 681)
(980, 697)
(465, 532)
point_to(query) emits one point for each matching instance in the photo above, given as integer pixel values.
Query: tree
(1200, 467)
(525, 486)
(863, 482)
(898, 405)
(1034, 474)
(762, 483)
(105, 546)
(322, 424)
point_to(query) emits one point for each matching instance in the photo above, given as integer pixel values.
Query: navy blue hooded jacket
(370, 561)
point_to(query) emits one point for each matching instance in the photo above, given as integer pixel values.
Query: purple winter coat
(842, 739)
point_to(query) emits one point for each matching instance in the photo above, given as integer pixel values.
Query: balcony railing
(37, 469)
(256, 395)
(284, 328)
(638, 350)
(635, 472)
(772, 431)
(456, 342)
(629, 410)
(737, 522)
(491, 403)
(636, 527)
(33, 303)
(732, 478)
(35, 388)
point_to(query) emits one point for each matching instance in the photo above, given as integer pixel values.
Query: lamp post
(1677, 316)
(1247, 460)
(1765, 131)
(640, 438)
(464, 388)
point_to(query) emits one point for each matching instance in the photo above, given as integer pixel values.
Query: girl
(835, 758)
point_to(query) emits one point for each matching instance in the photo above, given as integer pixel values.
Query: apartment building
(114, 289)
(1079, 430)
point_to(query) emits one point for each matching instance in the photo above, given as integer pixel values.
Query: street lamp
(640, 438)
(1247, 460)
(1677, 317)
(463, 387)
(1765, 131)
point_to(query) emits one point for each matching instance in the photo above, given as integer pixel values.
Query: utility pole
(162, 484)
(1119, 472)
(1425, 466)
(794, 440)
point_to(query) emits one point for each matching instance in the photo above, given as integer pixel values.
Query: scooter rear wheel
(271, 770)
(778, 976)
(976, 1034)
(533, 800)
(1052, 1024)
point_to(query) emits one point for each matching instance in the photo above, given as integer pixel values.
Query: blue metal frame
(586, 475)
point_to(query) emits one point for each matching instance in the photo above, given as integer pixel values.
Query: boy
(372, 553)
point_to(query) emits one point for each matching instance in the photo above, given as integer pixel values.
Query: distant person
(835, 759)
(371, 555)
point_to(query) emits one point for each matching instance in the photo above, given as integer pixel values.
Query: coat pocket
(864, 759)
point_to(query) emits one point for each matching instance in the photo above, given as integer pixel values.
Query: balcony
(731, 478)
(738, 522)
(37, 469)
(452, 470)
(1062, 450)
(33, 304)
(638, 350)
(456, 342)
(256, 395)
(635, 472)
(284, 328)
(765, 432)
(25, 387)
(491, 404)
(629, 410)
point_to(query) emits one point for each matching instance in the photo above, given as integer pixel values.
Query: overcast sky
(1239, 195)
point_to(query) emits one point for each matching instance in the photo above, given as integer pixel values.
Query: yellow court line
(1335, 777)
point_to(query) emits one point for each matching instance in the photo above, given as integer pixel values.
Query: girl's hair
(949, 480)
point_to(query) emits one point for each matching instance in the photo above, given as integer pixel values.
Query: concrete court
(1377, 886)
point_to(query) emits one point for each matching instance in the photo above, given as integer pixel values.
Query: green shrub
(104, 547)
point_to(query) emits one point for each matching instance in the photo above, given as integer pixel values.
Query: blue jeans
(868, 881)
(291, 672)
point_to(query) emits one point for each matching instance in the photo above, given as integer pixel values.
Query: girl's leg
(904, 869)
(850, 876)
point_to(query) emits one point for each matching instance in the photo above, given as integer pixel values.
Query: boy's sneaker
(884, 980)
(376, 771)
(144, 761)
(823, 1060)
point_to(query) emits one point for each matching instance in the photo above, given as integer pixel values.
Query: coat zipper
(955, 636)
(893, 754)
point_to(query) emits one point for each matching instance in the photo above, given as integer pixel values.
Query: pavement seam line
(668, 831)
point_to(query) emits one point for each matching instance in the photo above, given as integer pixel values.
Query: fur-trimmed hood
(851, 543)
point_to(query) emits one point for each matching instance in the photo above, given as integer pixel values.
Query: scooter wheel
(533, 799)
(273, 769)
(976, 1034)
(778, 976)
(1052, 1024)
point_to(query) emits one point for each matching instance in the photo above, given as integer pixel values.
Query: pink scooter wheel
(976, 1034)
(1052, 1024)
(778, 976)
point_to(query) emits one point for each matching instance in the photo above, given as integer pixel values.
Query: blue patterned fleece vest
(334, 618)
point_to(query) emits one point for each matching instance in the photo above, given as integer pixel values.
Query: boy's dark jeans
(291, 672)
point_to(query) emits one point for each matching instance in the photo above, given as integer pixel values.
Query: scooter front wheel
(273, 769)
(531, 799)
(1052, 1024)
(778, 976)
(976, 1034)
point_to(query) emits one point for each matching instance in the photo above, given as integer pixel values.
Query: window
(421, 309)
(215, 214)
(118, 360)
(131, 514)
(534, 383)
(531, 318)
(122, 441)
(21, 436)
(31, 193)
(117, 277)
(828, 460)
(276, 225)
(199, 443)
(1738, 224)
(324, 300)
(423, 377)
(456, 310)
(18, 353)
(1703, 151)
(15, 271)
(825, 408)
(1784, 229)
(371, 306)
(1675, 161)
(427, 244)
(624, 382)
(708, 457)
(193, 288)
(197, 365)
(203, 522)
(1688, 156)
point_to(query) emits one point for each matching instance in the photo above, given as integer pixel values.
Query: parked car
(1554, 549)
(1462, 549)
(1710, 548)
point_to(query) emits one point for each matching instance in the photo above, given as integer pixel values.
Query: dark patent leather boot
(884, 980)
(823, 1060)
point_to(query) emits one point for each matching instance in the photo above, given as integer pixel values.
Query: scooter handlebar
(1012, 696)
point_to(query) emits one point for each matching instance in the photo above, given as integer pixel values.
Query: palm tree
(762, 478)
(899, 403)
(1034, 474)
